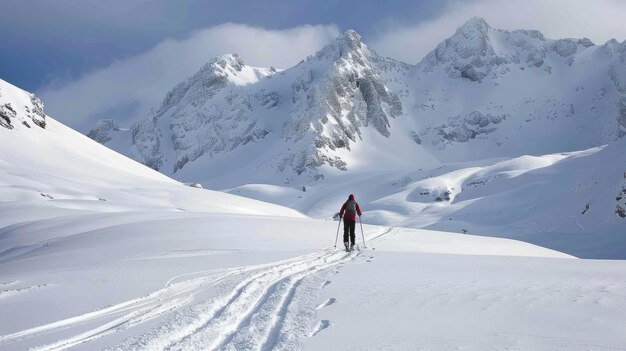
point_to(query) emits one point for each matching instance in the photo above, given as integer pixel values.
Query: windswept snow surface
(99, 252)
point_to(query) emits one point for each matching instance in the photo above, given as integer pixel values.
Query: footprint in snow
(323, 324)
(328, 302)
(326, 283)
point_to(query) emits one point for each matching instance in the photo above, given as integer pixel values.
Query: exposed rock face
(191, 121)
(35, 111)
(620, 207)
(317, 107)
(471, 53)
(31, 112)
(332, 109)
(464, 128)
(101, 132)
(7, 114)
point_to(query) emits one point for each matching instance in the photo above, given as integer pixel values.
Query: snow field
(537, 199)
(415, 301)
(175, 295)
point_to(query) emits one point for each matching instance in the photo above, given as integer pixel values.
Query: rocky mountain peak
(349, 40)
(470, 53)
(471, 39)
(229, 63)
(101, 132)
(347, 46)
(475, 26)
(211, 78)
(466, 54)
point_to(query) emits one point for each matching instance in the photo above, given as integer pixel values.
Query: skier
(351, 209)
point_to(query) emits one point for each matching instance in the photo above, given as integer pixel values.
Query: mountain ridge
(481, 93)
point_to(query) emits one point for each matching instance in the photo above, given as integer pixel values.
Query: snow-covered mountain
(303, 121)
(486, 93)
(481, 93)
(49, 170)
(100, 252)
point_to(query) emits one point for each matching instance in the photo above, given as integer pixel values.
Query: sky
(93, 59)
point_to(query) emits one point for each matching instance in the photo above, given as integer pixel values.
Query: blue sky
(93, 59)
(63, 39)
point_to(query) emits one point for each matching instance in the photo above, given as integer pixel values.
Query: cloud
(598, 20)
(128, 88)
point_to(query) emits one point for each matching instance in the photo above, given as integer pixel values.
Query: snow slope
(537, 199)
(99, 252)
(59, 171)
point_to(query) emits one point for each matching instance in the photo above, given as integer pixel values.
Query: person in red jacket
(351, 209)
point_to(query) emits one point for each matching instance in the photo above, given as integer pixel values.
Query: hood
(351, 197)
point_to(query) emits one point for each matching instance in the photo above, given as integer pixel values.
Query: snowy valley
(491, 175)
(499, 133)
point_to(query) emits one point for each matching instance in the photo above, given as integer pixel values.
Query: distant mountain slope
(57, 171)
(481, 93)
(488, 93)
(301, 122)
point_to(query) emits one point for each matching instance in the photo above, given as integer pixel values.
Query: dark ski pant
(348, 229)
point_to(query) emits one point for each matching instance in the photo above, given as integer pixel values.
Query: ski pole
(362, 235)
(337, 236)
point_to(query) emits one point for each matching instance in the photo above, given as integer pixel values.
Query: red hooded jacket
(350, 216)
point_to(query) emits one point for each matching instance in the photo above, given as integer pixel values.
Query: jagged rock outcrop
(471, 53)
(316, 107)
(191, 122)
(333, 109)
(29, 110)
(101, 132)
(620, 207)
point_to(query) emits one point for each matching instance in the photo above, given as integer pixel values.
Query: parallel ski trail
(389, 232)
(221, 320)
(250, 314)
(260, 329)
(258, 303)
(132, 312)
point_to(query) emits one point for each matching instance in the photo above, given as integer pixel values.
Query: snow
(537, 199)
(100, 252)
(453, 302)
(402, 137)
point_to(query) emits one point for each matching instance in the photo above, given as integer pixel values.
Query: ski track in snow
(387, 233)
(257, 308)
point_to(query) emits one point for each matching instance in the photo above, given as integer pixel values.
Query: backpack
(351, 207)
